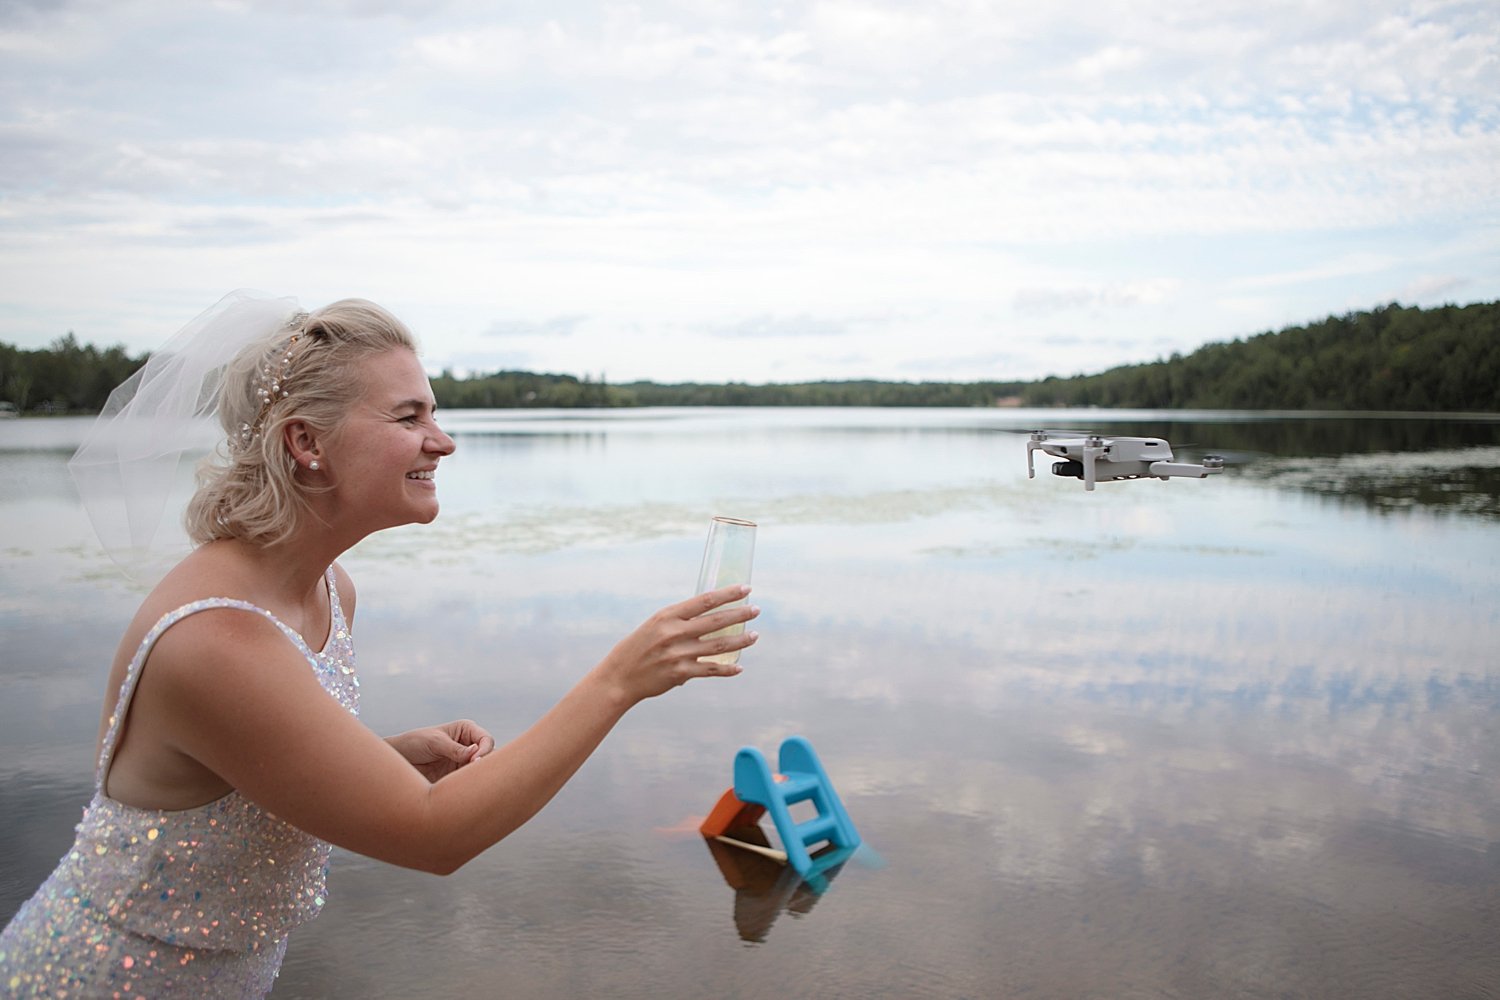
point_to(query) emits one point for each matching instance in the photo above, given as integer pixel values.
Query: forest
(1393, 358)
(1445, 359)
(67, 377)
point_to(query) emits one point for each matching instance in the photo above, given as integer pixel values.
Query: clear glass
(726, 560)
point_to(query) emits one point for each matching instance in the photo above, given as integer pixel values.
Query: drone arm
(1163, 470)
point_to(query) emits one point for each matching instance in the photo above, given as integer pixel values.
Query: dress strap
(337, 626)
(138, 662)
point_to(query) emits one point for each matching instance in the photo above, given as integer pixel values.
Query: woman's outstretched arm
(240, 700)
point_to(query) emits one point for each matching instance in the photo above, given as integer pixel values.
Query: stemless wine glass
(726, 561)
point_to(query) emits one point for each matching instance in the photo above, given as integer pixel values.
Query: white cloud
(553, 326)
(1108, 61)
(493, 51)
(766, 325)
(1115, 295)
(1426, 289)
(928, 176)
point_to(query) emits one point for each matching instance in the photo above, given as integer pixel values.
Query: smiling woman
(216, 799)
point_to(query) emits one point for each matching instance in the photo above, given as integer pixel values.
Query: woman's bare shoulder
(209, 571)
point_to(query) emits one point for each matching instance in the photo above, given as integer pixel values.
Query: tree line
(67, 377)
(1389, 358)
(530, 389)
(1445, 359)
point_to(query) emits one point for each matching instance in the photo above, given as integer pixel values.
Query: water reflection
(1464, 482)
(765, 888)
(1231, 737)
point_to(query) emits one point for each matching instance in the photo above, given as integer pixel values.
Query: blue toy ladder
(802, 778)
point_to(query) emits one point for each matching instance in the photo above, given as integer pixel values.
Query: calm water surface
(1233, 737)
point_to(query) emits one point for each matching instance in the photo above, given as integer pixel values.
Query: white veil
(130, 469)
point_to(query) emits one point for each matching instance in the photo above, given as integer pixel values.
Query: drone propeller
(1227, 457)
(1239, 457)
(1065, 432)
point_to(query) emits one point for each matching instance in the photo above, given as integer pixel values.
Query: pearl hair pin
(271, 385)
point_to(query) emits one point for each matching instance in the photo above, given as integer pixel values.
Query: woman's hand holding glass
(664, 651)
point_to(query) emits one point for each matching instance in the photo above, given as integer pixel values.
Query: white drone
(1096, 459)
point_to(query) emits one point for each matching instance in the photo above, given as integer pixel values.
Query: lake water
(1234, 737)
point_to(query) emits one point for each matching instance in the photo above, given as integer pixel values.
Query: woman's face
(383, 458)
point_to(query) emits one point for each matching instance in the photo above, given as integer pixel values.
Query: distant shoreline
(1392, 359)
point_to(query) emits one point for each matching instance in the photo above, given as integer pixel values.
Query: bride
(230, 752)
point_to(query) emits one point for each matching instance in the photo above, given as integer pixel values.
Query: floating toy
(758, 790)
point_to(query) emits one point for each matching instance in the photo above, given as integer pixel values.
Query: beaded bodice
(226, 875)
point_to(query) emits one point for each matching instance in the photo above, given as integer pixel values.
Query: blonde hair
(308, 371)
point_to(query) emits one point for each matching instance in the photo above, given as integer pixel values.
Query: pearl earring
(313, 465)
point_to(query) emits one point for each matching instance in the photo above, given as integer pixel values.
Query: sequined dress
(175, 903)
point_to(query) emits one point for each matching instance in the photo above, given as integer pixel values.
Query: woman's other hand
(437, 751)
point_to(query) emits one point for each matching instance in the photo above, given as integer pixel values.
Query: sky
(712, 190)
